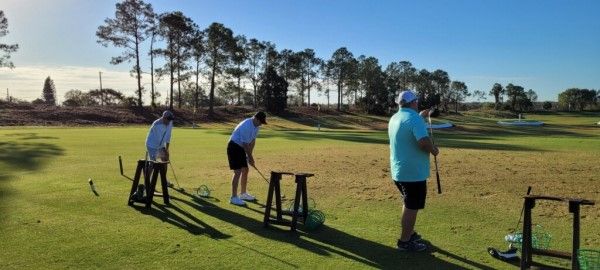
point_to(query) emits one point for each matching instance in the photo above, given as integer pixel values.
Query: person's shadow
(326, 241)
(171, 214)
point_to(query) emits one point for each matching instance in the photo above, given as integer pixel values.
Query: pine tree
(273, 91)
(49, 92)
(131, 26)
(5, 48)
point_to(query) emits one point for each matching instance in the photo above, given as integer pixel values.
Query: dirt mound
(26, 114)
(42, 115)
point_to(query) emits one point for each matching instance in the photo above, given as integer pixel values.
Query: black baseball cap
(262, 117)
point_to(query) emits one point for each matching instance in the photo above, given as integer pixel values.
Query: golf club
(262, 175)
(174, 176)
(264, 178)
(522, 209)
(437, 174)
(511, 253)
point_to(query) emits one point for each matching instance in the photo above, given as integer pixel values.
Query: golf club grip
(437, 175)
(523, 208)
(439, 185)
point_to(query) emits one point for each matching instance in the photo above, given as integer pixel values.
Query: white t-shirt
(159, 134)
(245, 132)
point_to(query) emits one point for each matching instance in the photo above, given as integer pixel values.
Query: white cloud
(26, 82)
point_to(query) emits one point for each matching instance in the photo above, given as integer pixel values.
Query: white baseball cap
(406, 96)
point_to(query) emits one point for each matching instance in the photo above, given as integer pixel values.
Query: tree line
(578, 99)
(228, 61)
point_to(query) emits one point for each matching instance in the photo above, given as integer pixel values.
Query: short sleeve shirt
(244, 132)
(408, 162)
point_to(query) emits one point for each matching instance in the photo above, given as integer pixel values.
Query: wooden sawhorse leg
(151, 171)
(142, 167)
(274, 190)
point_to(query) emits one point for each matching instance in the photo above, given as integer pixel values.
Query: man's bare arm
(426, 145)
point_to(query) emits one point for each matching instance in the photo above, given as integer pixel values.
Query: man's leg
(234, 182)
(414, 199)
(409, 218)
(244, 181)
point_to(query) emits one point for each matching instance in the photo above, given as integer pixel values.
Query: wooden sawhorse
(151, 170)
(301, 196)
(528, 250)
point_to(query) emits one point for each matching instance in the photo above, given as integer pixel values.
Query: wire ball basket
(589, 259)
(203, 191)
(314, 220)
(540, 239)
(311, 205)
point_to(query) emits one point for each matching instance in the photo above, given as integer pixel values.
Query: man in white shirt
(159, 137)
(239, 154)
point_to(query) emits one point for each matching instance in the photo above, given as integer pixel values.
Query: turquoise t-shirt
(409, 163)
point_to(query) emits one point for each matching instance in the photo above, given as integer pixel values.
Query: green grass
(49, 218)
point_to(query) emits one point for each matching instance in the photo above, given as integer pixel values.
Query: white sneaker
(247, 197)
(237, 201)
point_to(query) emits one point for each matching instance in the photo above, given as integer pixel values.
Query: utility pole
(7, 96)
(101, 94)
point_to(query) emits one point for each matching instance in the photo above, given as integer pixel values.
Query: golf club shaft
(175, 176)
(437, 173)
(263, 177)
(523, 209)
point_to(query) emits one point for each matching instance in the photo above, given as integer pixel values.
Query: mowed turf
(50, 219)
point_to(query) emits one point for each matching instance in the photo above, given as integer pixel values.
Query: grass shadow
(30, 136)
(4, 193)
(335, 120)
(473, 142)
(470, 132)
(536, 265)
(443, 139)
(18, 156)
(171, 214)
(328, 241)
(349, 136)
(28, 155)
(489, 127)
(306, 135)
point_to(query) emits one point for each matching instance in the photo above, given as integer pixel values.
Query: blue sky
(546, 46)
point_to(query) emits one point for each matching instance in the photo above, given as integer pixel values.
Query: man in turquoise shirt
(410, 147)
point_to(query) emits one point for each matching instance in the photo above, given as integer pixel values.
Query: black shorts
(413, 193)
(236, 156)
